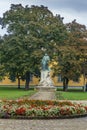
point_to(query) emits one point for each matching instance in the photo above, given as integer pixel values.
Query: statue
(44, 62)
(45, 72)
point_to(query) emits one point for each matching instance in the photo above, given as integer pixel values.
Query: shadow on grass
(71, 89)
(14, 88)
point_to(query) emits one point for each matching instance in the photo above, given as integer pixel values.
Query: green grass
(12, 92)
(71, 95)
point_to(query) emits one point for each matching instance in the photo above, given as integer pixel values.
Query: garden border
(45, 118)
(7, 112)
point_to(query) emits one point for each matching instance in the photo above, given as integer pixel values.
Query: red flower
(21, 111)
(85, 108)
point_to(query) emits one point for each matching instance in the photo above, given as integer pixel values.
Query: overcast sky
(69, 9)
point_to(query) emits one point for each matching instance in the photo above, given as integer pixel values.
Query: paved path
(43, 95)
(47, 95)
(58, 124)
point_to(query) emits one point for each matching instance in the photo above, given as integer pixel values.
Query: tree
(2, 68)
(69, 56)
(31, 31)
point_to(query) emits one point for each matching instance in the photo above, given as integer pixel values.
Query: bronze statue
(44, 62)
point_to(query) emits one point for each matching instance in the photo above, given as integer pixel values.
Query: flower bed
(24, 108)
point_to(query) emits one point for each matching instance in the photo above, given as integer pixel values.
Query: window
(76, 80)
(60, 78)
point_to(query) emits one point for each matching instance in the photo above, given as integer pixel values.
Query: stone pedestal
(46, 83)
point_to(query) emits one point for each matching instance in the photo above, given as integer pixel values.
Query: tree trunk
(18, 83)
(65, 83)
(27, 80)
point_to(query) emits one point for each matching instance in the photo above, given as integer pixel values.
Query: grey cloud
(77, 5)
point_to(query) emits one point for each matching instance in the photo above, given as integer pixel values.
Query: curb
(46, 118)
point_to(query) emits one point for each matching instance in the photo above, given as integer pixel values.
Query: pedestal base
(46, 83)
(47, 89)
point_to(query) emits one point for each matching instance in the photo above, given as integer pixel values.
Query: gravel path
(43, 95)
(58, 124)
(47, 95)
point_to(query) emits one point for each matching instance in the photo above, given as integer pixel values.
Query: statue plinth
(43, 75)
(46, 82)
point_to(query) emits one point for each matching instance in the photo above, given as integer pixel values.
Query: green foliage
(2, 67)
(34, 30)
(69, 57)
(31, 31)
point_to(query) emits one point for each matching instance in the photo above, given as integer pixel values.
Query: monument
(45, 81)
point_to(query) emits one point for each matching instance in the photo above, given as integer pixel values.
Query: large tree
(31, 31)
(67, 64)
(70, 58)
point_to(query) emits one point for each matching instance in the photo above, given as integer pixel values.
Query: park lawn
(12, 92)
(71, 95)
